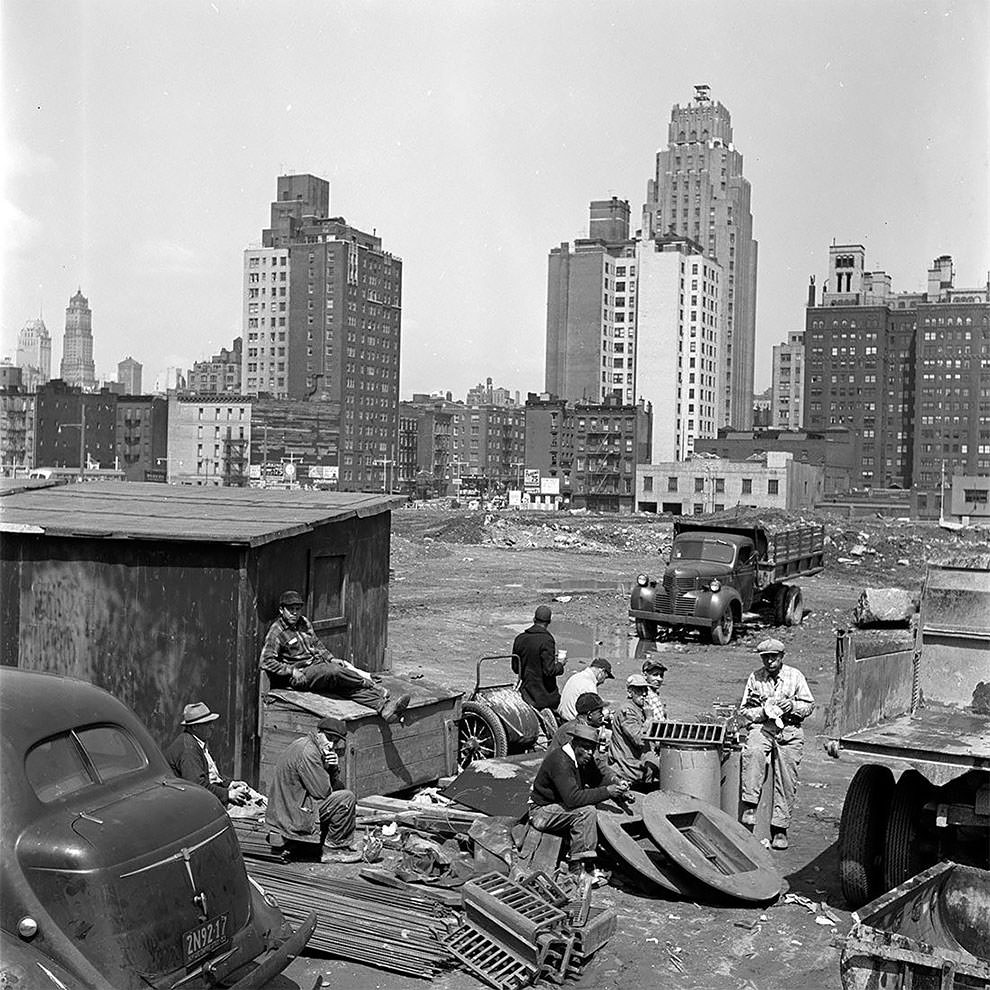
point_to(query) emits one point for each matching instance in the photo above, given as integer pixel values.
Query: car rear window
(68, 762)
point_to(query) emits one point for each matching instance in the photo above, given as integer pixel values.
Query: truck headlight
(642, 580)
(714, 584)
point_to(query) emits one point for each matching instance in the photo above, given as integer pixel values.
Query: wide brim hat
(197, 714)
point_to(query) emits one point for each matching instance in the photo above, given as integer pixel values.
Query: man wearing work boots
(306, 809)
(776, 701)
(567, 787)
(294, 658)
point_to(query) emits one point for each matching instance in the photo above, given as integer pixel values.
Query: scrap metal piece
(630, 840)
(492, 963)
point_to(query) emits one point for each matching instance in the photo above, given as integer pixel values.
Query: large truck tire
(862, 831)
(904, 855)
(646, 629)
(721, 633)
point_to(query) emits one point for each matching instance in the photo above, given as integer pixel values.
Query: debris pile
(884, 607)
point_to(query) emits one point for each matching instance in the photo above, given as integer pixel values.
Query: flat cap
(331, 726)
(637, 681)
(588, 702)
(584, 733)
(770, 646)
(653, 665)
(291, 598)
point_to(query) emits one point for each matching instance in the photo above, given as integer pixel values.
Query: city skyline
(470, 154)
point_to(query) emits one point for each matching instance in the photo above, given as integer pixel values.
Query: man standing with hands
(538, 665)
(776, 701)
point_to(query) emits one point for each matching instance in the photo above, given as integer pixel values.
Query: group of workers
(308, 806)
(576, 776)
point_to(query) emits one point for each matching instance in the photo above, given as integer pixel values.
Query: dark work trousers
(337, 818)
(330, 677)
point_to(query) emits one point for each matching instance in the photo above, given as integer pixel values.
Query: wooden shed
(163, 594)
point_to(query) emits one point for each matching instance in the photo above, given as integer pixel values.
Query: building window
(672, 484)
(647, 483)
(699, 484)
(698, 509)
(720, 484)
(773, 487)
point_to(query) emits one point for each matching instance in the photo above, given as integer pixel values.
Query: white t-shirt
(583, 682)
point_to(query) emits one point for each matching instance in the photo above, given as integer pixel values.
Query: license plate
(202, 941)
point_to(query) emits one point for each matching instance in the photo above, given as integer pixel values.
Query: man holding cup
(539, 662)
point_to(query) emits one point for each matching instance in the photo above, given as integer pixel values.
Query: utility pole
(82, 436)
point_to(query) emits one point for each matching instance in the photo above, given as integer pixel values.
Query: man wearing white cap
(776, 701)
(627, 747)
(190, 758)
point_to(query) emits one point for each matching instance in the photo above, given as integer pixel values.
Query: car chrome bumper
(273, 964)
(670, 619)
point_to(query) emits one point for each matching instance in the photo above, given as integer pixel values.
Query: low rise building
(209, 440)
(295, 442)
(142, 436)
(16, 431)
(701, 485)
(71, 424)
(970, 498)
(220, 374)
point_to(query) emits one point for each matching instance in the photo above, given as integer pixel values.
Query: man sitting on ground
(627, 749)
(584, 681)
(305, 805)
(190, 758)
(567, 787)
(590, 711)
(293, 657)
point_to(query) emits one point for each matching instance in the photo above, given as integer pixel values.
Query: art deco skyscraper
(77, 344)
(34, 354)
(699, 191)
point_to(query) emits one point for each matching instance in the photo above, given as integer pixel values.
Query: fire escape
(235, 461)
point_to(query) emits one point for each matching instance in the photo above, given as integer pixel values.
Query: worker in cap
(590, 711)
(627, 747)
(537, 663)
(568, 786)
(589, 679)
(775, 702)
(294, 658)
(190, 758)
(309, 811)
(653, 670)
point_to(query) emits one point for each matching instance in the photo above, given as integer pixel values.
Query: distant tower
(34, 354)
(77, 344)
(129, 375)
(699, 191)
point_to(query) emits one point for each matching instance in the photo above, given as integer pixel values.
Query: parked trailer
(716, 573)
(921, 710)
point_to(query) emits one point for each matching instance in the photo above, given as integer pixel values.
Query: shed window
(326, 590)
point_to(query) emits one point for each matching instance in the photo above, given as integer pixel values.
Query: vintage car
(115, 873)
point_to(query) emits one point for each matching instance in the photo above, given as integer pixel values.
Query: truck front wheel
(646, 629)
(721, 632)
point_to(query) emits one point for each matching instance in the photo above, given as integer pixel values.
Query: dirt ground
(463, 584)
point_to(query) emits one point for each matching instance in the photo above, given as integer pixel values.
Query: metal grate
(493, 964)
(686, 733)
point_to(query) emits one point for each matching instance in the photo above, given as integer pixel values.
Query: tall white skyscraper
(34, 354)
(77, 344)
(698, 190)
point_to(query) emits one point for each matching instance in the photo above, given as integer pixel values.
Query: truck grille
(678, 605)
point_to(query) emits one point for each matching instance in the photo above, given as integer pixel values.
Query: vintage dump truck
(923, 708)
(716, 573)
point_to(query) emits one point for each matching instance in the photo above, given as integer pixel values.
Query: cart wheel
(903, 855)
(481, 735)
(549, 722)
(721, 633)
(861, 834)
(646, 629)
(793, 607)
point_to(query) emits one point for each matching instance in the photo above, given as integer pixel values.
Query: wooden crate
(378, 758)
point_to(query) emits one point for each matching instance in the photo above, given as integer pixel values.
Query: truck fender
(643, 598)
(719, 599)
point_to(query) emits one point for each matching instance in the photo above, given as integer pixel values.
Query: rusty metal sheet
(941, 734)
(630, 840)
(496, 787)
(711, 846)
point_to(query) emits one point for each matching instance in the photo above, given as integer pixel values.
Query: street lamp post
(82, 437)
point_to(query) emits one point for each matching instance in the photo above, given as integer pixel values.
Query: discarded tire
(481, 734)
(862, 832)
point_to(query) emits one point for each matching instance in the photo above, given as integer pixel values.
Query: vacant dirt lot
(464, 583)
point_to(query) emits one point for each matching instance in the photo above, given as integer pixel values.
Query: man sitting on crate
(567, 787)
(306, 809)
(629, 755)
(776, 701)
(293, 657)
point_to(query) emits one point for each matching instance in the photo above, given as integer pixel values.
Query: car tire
(862, 830)
(793, 607)
(721, 633)
(647, 630)
(904, 855)
(481, 735)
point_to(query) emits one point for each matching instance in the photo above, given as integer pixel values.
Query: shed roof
(149, 511)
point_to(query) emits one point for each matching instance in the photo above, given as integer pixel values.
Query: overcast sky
(143, 142)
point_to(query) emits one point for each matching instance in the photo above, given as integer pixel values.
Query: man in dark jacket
(305, 805)
(190, 758)
(567, 787)
(538, 666)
